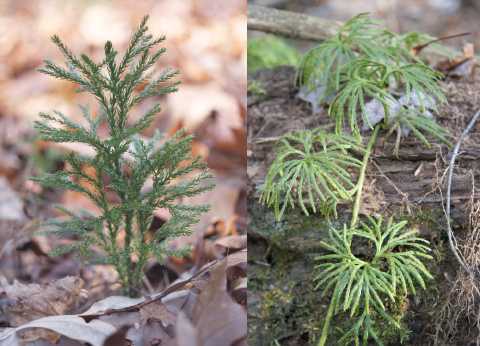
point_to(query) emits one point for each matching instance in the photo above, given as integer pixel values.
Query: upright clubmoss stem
(328, 318)
(356, 209)
(361, 177)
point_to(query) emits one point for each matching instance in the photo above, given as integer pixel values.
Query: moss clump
(256, 88)
(270, 51)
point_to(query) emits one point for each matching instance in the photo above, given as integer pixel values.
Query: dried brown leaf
(157, 311)
(32, 301)
(217, 318)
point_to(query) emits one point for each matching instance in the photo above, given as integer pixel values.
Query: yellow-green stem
(361, 177)
(328, 318)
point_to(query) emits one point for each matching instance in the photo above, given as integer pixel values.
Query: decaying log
(417, 177)
(299, 26)
(290, 24)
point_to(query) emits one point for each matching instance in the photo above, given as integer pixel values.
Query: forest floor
(34, 285)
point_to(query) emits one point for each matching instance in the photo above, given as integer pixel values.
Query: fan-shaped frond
(311, 167)
(391, 264)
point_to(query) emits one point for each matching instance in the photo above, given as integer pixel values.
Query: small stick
(419, 48)
(456, 149)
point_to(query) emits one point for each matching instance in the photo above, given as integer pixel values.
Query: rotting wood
(416, 177)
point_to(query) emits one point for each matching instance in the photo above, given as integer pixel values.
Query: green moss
(288, 308)
(270, 51)
(296, 232)
(256, 88)
(431, 222)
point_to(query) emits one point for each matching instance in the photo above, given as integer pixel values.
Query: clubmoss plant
(311, 168)
(366, 267)
(124, 163)
(371, 80)
(364, 65)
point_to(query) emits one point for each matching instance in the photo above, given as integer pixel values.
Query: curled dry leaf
(462, 66)
(73, 327)
(24, 303)
(111, 303)
(32, 301)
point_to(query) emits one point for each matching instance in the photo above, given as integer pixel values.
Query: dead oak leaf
(217, 318)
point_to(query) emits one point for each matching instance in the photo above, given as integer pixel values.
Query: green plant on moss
(123, 162)
(311, 168)
(419, 125)
(269, 51)
(322, 64)
(362, 286)
(371, 80)
(367, 266)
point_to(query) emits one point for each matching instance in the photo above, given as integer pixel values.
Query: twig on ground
(158, 297)
(456, 149)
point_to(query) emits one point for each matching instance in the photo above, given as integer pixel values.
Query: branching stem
(361, 177)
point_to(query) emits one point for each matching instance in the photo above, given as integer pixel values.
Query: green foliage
(256, 88)
(269, 51)
(367, 268)
(364, 62)
(370, 78)
(323, 63)
(123, 162)
(312, 166)
(411, 121)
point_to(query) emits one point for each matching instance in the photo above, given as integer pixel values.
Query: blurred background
(436, 17)
(206, 41)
